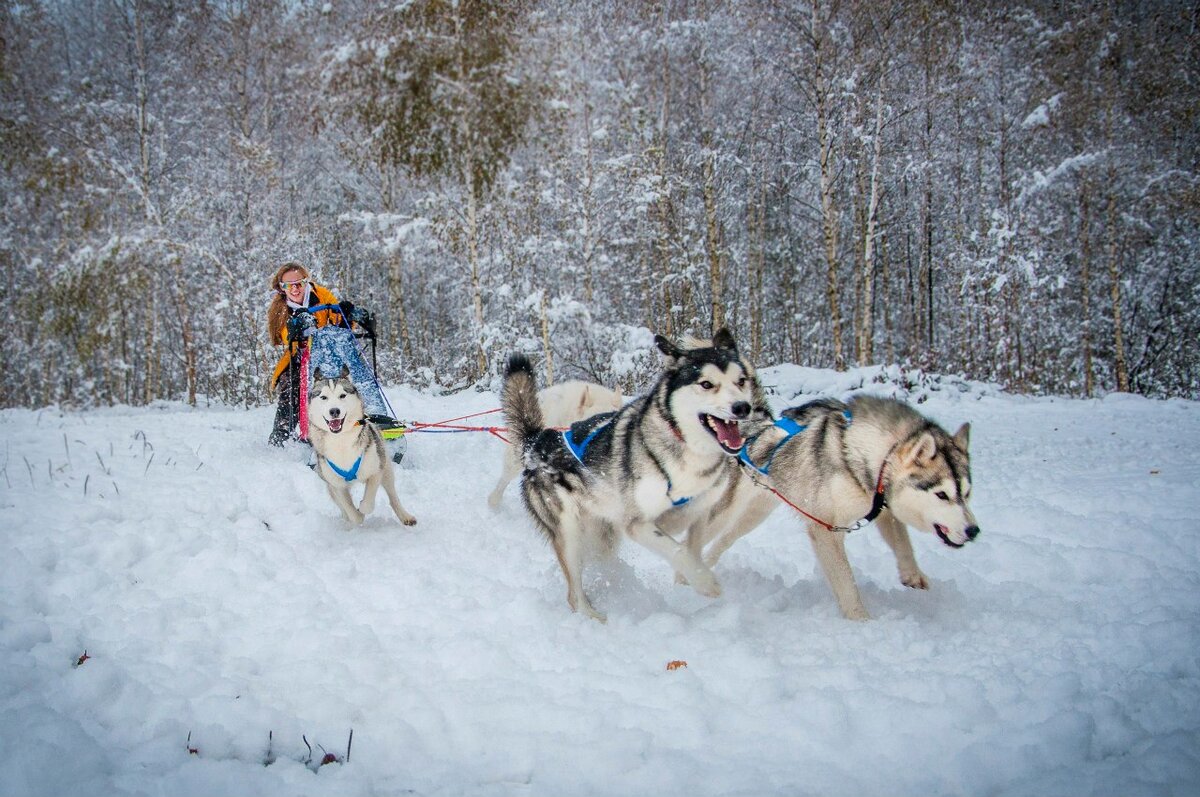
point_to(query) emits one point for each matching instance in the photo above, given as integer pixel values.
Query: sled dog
(349, 448)
(562, 405)
(843, 463)
(616, 473)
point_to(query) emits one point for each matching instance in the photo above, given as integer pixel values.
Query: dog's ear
(923, 450)
(962, 438)
(667, 347)
(317, 375)
(345, 372)
(724, 339)
(584, 398)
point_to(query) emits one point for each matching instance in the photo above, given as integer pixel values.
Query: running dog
(562, 405)
(616, 473)
(349, 448)
(843, 465)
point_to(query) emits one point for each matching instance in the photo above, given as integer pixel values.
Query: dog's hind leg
(512, 466)
(685, 562)
(388, 479)
(830, 547)
(341, 497)
(895, 535)
(568, 546)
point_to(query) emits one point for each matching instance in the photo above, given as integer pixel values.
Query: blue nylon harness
(349, 475)
(580, 448)
(787, 425)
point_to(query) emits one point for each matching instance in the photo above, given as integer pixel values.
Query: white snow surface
(224, 606)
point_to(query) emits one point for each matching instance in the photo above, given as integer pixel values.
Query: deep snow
(218, 594)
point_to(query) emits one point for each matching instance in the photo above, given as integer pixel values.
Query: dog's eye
(706, 385)
(942, 495)
(742, 382)
(342, 396)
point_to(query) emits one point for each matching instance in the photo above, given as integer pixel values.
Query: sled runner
(333, 346)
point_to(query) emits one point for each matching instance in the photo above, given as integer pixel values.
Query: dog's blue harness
(349, 475)
(580, 448)
(787, 425)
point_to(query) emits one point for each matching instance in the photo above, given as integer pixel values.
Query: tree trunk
(1085, 278)
(866, 325)
(828, 210)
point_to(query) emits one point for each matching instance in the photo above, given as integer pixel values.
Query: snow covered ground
(224, 607)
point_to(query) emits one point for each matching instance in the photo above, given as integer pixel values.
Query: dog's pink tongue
(728, 433)
(335, 424)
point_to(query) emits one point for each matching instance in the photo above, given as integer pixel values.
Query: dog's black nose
(741, 409)
(972, 532)
(334, 412)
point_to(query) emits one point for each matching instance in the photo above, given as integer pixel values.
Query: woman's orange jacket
(320, 295)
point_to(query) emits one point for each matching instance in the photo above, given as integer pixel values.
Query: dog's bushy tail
(518, 398)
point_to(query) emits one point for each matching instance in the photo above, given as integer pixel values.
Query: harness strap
(349, 475)
(676, 501)
(579, 449)
(878, 500)
(786, 424)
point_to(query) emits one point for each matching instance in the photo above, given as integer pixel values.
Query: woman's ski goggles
(285, 285)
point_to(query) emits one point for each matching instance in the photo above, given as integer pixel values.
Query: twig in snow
(85, 484)
(67, 447)
(191, 750)
(349, 742)
(29, 468)
(149, 462)
(269, 758)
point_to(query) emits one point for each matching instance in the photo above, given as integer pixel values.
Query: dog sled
(333, 347)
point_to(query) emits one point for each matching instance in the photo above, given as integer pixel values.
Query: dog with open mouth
(841, 465)
(349, 448)
(615, 474)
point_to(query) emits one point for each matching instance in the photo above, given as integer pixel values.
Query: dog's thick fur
(661, 449)
(562, 405)
(831, 470)
(340, 433)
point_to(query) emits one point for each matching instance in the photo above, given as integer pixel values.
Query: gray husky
(616, 473)
(349, 448)
(842, 465)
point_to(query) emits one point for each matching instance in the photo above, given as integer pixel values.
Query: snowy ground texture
(225, 607)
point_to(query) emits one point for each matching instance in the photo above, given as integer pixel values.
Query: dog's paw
(706, 584)
(915, 580)
(681, 579)
(409, 521)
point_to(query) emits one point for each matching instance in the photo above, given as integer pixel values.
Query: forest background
(1007, 191)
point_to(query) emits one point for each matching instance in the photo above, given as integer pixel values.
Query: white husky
(349, 448)
(562, 405)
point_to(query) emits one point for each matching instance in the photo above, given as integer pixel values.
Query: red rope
(416, 425)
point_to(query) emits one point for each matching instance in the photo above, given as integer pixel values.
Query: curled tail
(518, 398)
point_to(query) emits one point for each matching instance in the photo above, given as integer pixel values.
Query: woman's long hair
(277, 312)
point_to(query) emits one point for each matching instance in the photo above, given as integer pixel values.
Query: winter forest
(1006, 191)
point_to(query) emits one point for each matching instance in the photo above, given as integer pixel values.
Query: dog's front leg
(367, 505)
(685, 562)
(895, 535)
(388, 479)
(830, 547)
(746, 517)
(341, 497)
